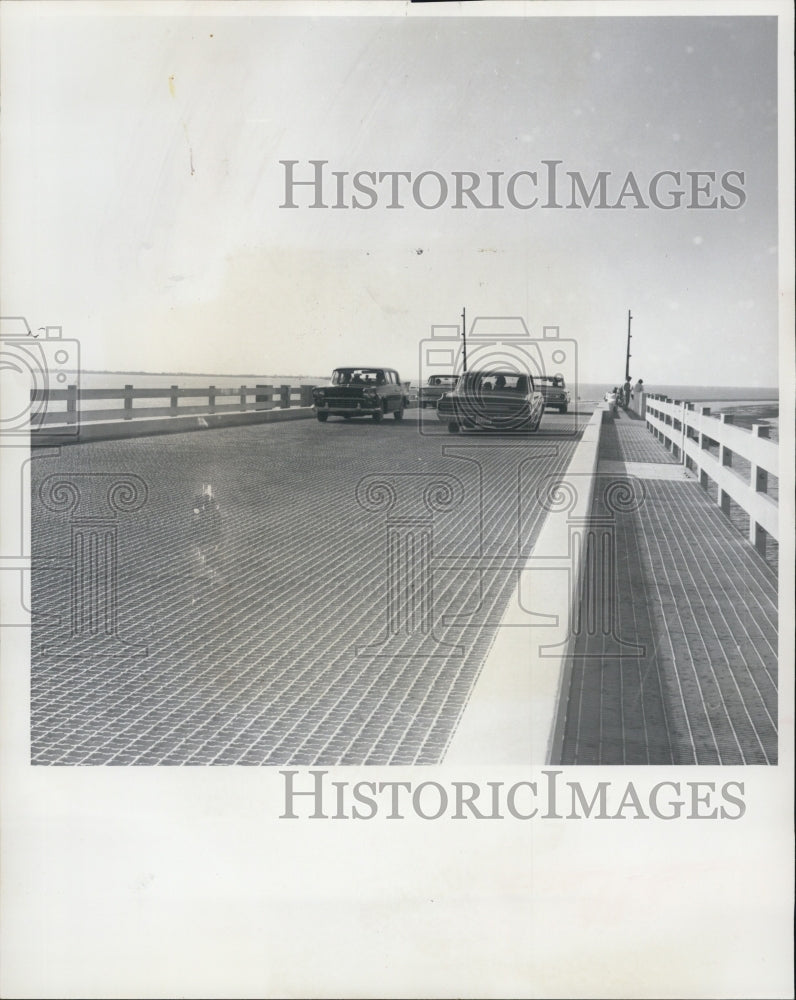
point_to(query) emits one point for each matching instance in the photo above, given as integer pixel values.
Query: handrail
(257, 397)
(689, 433)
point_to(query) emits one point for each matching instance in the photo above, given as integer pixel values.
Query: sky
(142, 186)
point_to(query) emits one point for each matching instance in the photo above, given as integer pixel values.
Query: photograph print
(399, 390)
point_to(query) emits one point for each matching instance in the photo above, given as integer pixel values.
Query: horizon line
(130, 371)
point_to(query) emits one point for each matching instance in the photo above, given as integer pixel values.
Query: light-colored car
(431, 393)
(492, 400)
(361, 392)
(554, 390)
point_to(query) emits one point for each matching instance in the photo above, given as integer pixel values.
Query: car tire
(322, 417)
(399, 413)
(453, 427)
(562, 409)
(346, 416)
(534, 427)
(376, 416)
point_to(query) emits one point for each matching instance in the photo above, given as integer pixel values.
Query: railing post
(725, 458)
(758, 480)
(677, 425)
(128, 402)
(284, 397)
(758, 476)
(663, 420)
(703, 440)
(688, 409)
(211, 398)
(173, 401)
(705, 412)
(243, 397)
(672, 422)
(306, 395)
(71, 404)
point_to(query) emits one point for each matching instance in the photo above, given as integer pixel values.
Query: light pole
(464, 340)
(627, 359)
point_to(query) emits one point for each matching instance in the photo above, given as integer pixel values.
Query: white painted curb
(515, 715)
(112, 430)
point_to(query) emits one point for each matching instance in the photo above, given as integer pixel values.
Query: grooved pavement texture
(240, 642)
(626, 439)
(702, 604)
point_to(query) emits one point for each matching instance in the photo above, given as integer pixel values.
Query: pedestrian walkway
(693, 677)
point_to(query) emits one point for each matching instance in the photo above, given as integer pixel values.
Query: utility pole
(627, 359)
(464, 340)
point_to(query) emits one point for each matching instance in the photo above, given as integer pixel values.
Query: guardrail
(214, 400)
(692, 434)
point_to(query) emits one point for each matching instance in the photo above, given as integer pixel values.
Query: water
(727, 395)
(588, 391)
(748, 404)
(164, 380)
(189, 380)
(721, 398)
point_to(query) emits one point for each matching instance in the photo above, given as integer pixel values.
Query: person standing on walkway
(639, 387)
(627, 393)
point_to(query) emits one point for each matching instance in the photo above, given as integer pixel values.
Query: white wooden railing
(129, 402)
(741, 468)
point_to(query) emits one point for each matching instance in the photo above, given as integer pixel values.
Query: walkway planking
(703, 605)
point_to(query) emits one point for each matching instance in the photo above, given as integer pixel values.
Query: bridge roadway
(339, 614)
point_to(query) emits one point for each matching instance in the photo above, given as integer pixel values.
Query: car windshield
(358, 376)
(479, 382)
(557, 381)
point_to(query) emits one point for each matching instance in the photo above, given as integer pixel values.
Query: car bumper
(339, 407)
(508, 420)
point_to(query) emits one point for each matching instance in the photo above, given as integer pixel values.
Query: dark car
(492, 400)
(361, 392)
(437, 386)
(554, 390)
